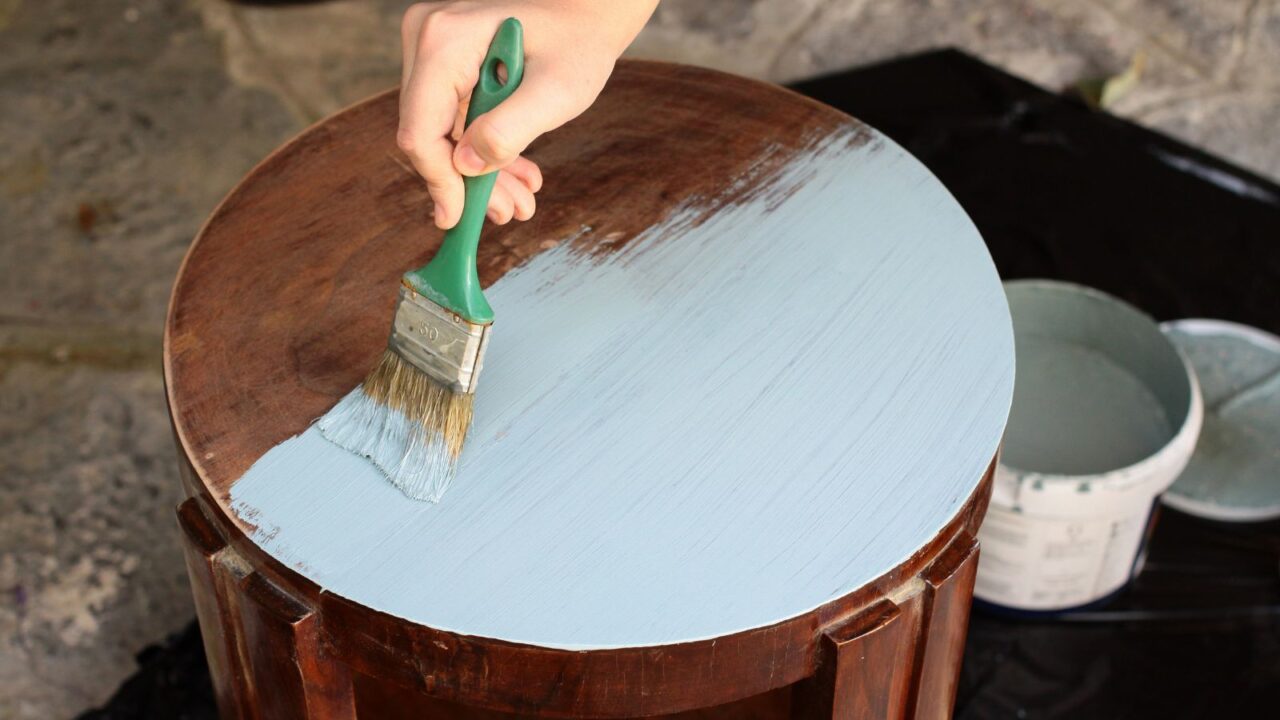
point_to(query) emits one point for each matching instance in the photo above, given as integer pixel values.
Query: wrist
(617, 22)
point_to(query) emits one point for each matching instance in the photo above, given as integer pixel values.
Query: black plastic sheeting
(1197, 635)
(1060, 191)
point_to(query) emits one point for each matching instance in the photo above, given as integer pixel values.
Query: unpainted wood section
(898, 660)
(268, 622)
(949, 586)
(522, 680)
(202, 546)
(264, 645)
(285, 655)
(377, 699)
(866, 670)
(284, 300)
(192, 486)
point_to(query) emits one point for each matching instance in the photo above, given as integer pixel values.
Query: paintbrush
(411, 414)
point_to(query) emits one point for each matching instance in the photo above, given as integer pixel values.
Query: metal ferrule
(438, 342)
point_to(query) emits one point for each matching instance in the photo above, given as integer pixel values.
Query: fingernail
(439, 215)
(469, 161)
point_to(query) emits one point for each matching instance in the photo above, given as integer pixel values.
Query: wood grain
(264, 645)
(853, 679)
(949, 594)
(202, 546)
(284, 301)
(283, 304)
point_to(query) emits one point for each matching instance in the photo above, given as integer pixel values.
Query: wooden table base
(278, 647)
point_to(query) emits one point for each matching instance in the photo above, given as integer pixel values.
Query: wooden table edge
(504, 676)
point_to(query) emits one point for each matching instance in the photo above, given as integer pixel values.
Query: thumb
(497, 137)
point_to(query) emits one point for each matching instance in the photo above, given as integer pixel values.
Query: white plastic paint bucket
(1105, 415)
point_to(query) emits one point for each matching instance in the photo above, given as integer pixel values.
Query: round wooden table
(749, 374)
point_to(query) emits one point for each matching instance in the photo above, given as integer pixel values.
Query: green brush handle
(450, 279)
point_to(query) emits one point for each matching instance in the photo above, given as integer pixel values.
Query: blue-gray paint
(1077, 412)
(724, 425)
(1099, 389)
(1235, 471)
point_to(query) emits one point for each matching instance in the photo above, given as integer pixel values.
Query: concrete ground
(124, 122)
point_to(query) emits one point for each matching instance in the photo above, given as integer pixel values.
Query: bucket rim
(1176, 451)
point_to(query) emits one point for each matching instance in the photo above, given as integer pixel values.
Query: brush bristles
(407, 424)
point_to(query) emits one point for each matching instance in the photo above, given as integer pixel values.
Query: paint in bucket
(1105, 415)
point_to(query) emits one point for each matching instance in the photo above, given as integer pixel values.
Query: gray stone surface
(317, 58)
(124, 122)
(1212, 71)
(90, 567)
(120, 131)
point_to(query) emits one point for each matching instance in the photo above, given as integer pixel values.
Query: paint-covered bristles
(410, 427)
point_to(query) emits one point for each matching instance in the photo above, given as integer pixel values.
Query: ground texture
(123, 123)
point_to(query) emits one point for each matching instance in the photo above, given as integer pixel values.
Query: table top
(749, 356)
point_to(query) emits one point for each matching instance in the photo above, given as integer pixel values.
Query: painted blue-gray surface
(722, 426)
(1235, 471)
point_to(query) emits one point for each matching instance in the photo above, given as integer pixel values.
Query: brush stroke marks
(731, 421)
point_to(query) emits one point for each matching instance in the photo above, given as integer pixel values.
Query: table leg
(949, 591)
(900, 657)
(263, 642)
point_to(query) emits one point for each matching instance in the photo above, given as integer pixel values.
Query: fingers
(410, 26)
(460, 120)
(511, 199)
(498, 137)
(441, 61)
(527, 172)
(501, 206)
(436, 77)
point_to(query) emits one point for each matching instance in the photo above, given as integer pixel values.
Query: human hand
(570, 50)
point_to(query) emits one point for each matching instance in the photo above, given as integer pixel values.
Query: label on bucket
(1042, 563)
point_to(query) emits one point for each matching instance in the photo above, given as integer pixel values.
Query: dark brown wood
(898, 658)
(282, 636)
(205, 549)
(283, 304)
(265, 650)
(949, 592)
(375, 699)
(284, 301)
(853, 680)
